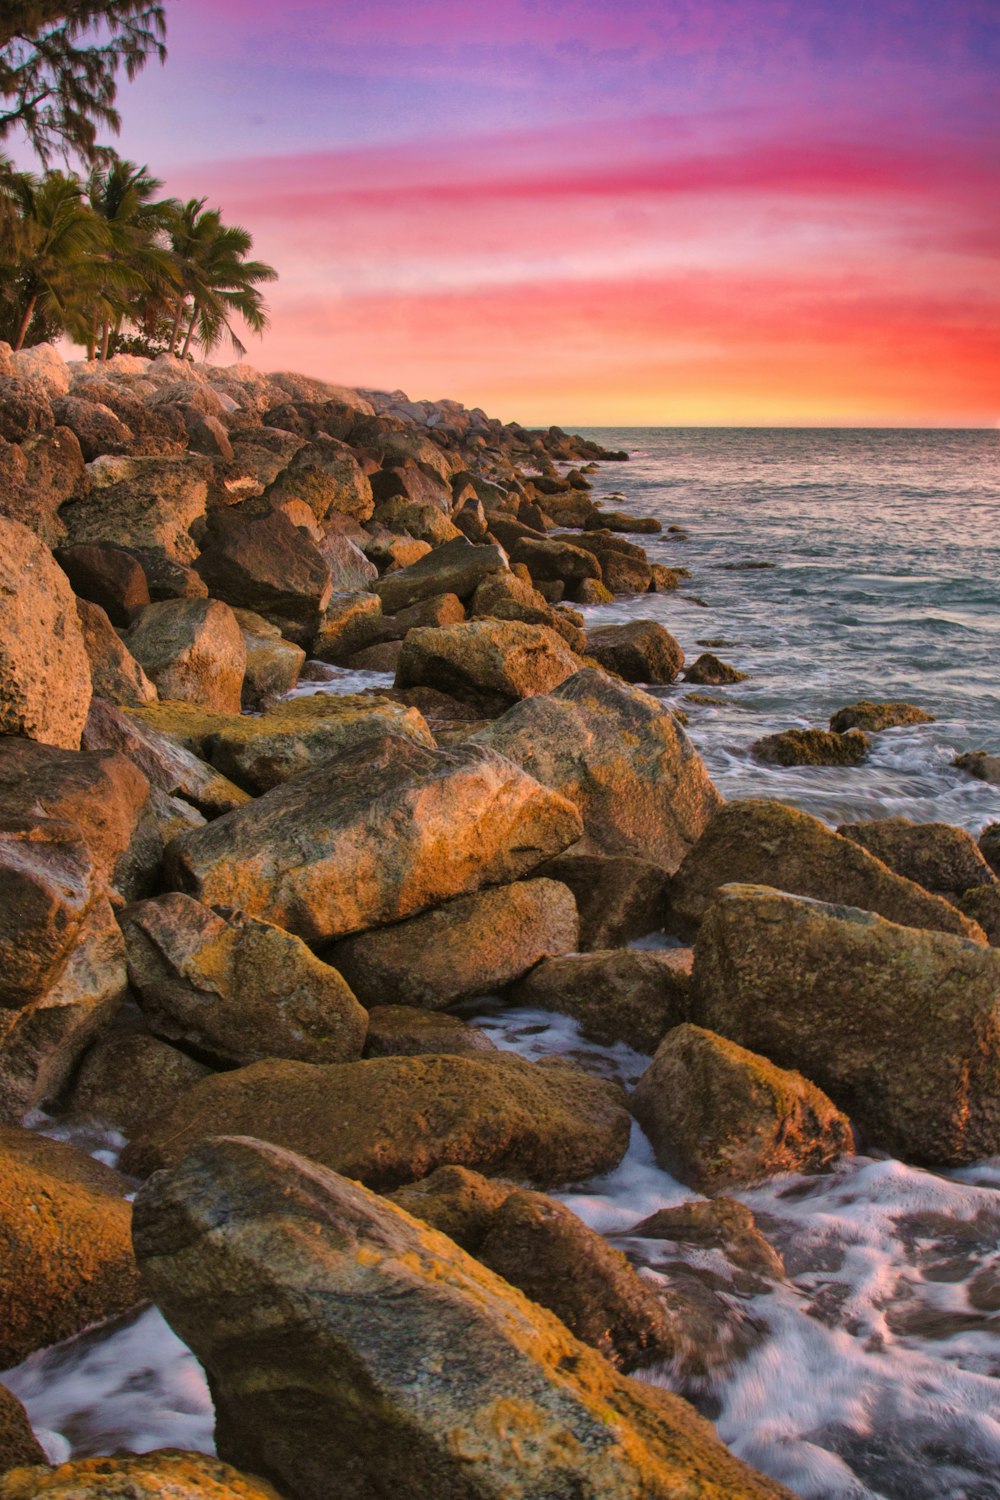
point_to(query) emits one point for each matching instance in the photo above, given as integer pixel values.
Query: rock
(44, 364)
(474, 945)
(107, 576)
(350, 569)
(383, 657)
(351, 623)
(236, 989)
(375, 836)
(37, 477)
(168, 579)
(95, 426)
(264, 563)
(209, 436)
(142, 502)
(389, 1120)
(989, 846)
(457, 567)
(299, 734)
(639, 651)
(981, 904)
(620, 757)
(496, 661)
(624, 567)
(592, 591)
(273, 664)
(65, 1250)
(456, 1201)
(25, 409)
(555, 561)
(164, 1474)
(425, 522)
(981, 765)
(626, 995)
(408, 484)
(46, 889)
(169, 769)
(760, 842)
(619, 520)
(709, 671)
(720, 1224)
(478, 1393)
(393, 553)
(900, 1027)
(193, 650)
(102, 793)
(403, 1031)
(115, 675)
(327, 476)
(127, 1077)
(18, 1444)
(721, 1117)
(44, 672)
(873, 717)
(618, 898)
(666, 580)
(443, 609)
(937, 856)
(812, 747)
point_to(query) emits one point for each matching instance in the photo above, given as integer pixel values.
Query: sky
(665, 212)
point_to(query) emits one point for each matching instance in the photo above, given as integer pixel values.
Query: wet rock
(592, 591)
(273, 664)
(719, 1116)
(45, 686)
(114, 672)
(142, 502)
(389, 1120)
(457, 567)
(722, 1224)
(474, 945)
(497, 661)
(351, 623)
(618, 898)
(325, 473)
(164, 1474)
(403, 1031)
(193, 650)
(874, 717)
(127, 1077)
(477, 1393)
(666, 580)
(170, 769)
(375, 836)
(812, 747)
(107, 576)
(900, 1027)
(18, 1444)
(626, 995)
(65, 1249)
(709, 671)
(639, 651)
(350, 569)
(937, 856)
(456, 1201)
(981, 765)
(761, 842)
(264, 563)
(620, 757)
(236, 989)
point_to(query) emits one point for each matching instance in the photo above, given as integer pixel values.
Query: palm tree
(53, 254)
(217, 278)
(139, 267)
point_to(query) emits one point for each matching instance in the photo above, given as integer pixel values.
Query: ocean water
(873, 1371)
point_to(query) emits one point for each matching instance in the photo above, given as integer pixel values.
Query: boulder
(142, 502)
(168, 579)
(900, 1027)
(403, 1031)
(391, 554)
(618, 897)
(25, 408)
(473, 945)
(506, 596)
(443, 609)
(235, 989)
(709, 671)
(273, 664)
(193, 650)
(629, 995)
(164, 1474)
(425, 522)
(95, 426)
(475, 1394)
(620, 757)
(760, 842)
(457, 567)
(45, 686)
(624, 567)
(389, 1120)
(873, 717)
(46, 889)
(937, 856)
(170, 769)
(981, 765)
(18, 1444)
(812, 747)
(375, 836)
(495, 661)
(264, 563)
(115, 675)
(619, 520)
(65, 1251)
(981, 904)
(325, 473)
(989, 846)
(127, 1076)
(720, 1117)
(408, 484)
(350, 569)
(639, 651)
(37, 477)
(42, 363)
(555, 562)
(722, 1224)
(351, 623)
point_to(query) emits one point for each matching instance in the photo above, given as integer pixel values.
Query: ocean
(873, 1371)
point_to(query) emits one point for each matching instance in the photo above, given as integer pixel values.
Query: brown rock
(989, 846)
(127, 1077)
(273, 664)
(555, 561)
(812, 747)
(25, 409)
(625, 568)
(115, 675)
(265, 563)
(639, 651)
(18, 1444)
(873, 717)
(981, 765)
(193, 650)
(403, 1031)
(457, 567)
(720, 1224)
(350, 569)
(142, 502)
(496, 661)
(618, 898)
(937, 856)
(168, 767)
(107, 576)
(981, 904)
(443, 609)
(624, 995)
(164, 1474)
(709, 671)
(46, 889)
(325, 473)
(351, 623)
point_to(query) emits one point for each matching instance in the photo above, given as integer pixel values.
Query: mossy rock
(874, 717)
(812, 747)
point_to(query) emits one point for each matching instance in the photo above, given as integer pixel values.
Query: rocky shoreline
(244, 909)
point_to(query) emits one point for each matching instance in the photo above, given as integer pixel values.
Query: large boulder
(375, 836)
(25, 408)
(127, 1076)
(193, 650)
(326, 474)
(95, 426)
(65, 1252)
(170, 769)
(767, 843)
(937, 856)
(37, 477)
(620, 757)
(44, 670)
(389, 1120)
(350, 569)
(630, 995)
(115, 675)
(618, 897)
(108, 576)
(164, 1474)
(236, 990)
(473, 945)
(273, 664)
(624, 567)
(638, 650)
(142, 502)
(496, 661)
(474, 1394)
(350, 623)
(720, 1117)
(43, 364)
(46, 889)
(457, 567)
(264, 563)
(551, 561)
(900, 1027)
(405, 1031)
(980, 764)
